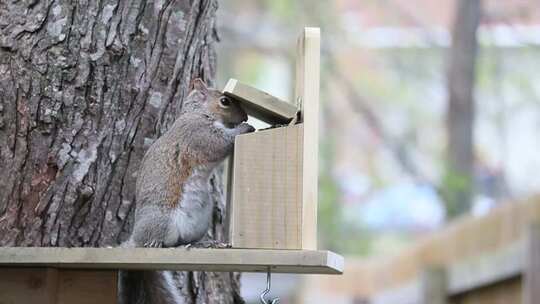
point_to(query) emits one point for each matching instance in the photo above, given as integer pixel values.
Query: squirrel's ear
(198, 84)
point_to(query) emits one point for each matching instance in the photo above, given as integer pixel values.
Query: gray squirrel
(173, 205)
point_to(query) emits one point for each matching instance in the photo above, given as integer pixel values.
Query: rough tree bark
(458, 184)
(85, 87)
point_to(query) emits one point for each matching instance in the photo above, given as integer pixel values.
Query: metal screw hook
(267, 290)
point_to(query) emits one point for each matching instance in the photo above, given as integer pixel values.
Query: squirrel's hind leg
(151, 227)
(208, 244)
(153, 244)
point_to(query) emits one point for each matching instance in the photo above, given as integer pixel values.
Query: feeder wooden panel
(267, 196)
(275, 172)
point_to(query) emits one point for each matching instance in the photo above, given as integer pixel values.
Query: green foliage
(283, 9)
(456, 191)
(334, 232)
(329, 207)
(250, 67)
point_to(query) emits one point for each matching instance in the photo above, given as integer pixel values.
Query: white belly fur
(191, 219)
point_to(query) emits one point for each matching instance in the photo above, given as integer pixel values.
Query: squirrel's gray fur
(173, 205)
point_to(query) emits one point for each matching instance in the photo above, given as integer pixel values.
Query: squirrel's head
(214, 104)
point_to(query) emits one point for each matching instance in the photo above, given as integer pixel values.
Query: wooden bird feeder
(273, 206)
(273, 180)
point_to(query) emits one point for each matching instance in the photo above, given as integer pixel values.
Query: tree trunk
(458, 184)
(85, 87)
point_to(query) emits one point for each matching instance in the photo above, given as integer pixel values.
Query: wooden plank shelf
(194, 259)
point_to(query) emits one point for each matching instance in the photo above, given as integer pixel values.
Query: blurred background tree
(458, 184)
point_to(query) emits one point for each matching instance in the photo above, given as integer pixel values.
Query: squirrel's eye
(224, 101)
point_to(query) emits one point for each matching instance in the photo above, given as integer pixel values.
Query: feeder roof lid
(260, 104)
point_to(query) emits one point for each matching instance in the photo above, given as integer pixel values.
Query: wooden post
(531, 275)
(307, 95)
(433, 286)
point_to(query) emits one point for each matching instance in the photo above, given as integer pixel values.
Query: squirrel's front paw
(245, 128)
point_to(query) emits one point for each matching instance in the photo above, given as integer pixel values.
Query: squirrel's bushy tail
(147, 287)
